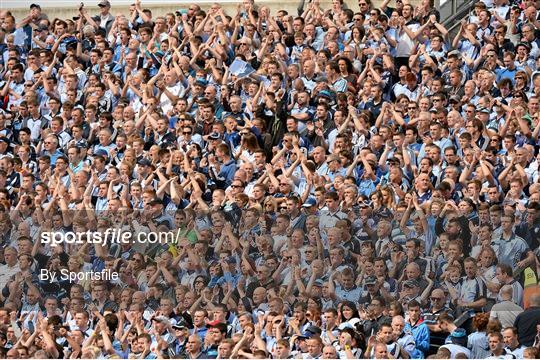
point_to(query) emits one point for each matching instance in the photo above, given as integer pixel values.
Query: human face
(495, 344)
(506, 224)
(385, 334)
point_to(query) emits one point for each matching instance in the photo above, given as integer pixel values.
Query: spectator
(286, 184)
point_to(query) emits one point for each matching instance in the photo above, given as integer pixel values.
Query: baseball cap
(144, 162)
(101, 152)
(200, 81)
(36, 6)
(314, 329)
(411, 283)
(214, 136)
(104, 3)
(310, 332)
(525, 45)
(310, 202)
(326, 93)
(370, 280)
(155, 201)
(180, 325)
(459, 337)
(454, 98)
(4, 140)
(483, 110)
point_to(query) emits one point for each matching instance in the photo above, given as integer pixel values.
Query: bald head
(506, 292)
(438, 293)
(398, 320)
(534, 300)
(413, 267)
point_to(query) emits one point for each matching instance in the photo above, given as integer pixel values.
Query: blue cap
(458, 333)
(101, 152)
(201, 81)
(309, 203)
(326, 93)
(144, 162)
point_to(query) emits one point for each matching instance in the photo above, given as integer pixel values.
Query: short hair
(332, 195)
(505, 269)
(413, 304)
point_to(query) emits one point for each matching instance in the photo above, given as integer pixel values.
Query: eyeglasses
(435, 298)
(236, 186)
(357, 19)
(436, 100)
(187, 132)
(490, 56)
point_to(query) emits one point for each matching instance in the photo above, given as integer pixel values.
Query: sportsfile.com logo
(109, 236)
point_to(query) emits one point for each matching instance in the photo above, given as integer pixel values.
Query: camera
(81, 6)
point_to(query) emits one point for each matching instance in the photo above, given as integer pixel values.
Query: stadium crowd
(335, 183)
